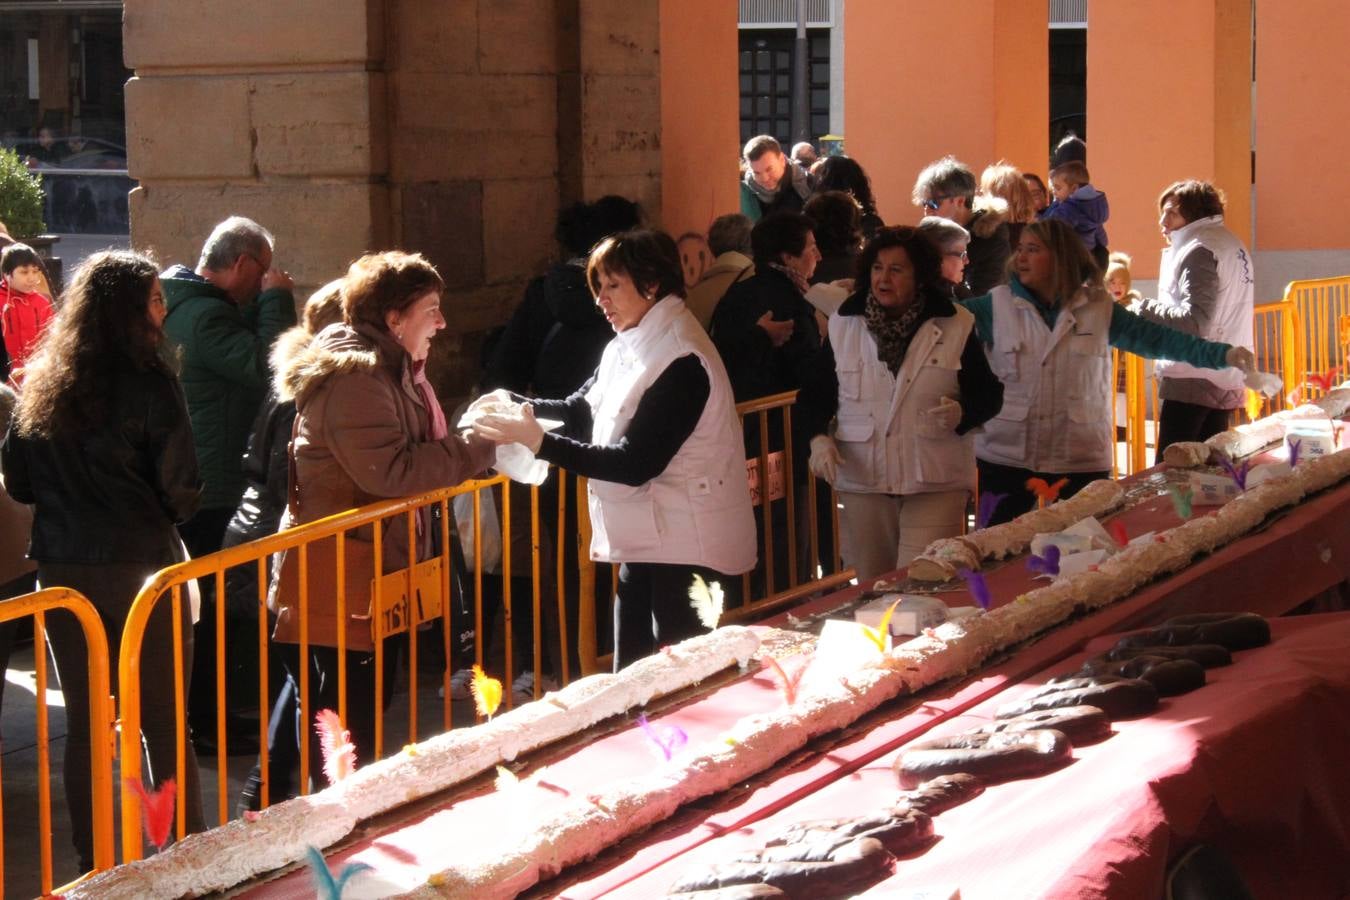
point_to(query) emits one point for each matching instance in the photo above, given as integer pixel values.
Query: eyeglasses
(959, 254)
(932, 203)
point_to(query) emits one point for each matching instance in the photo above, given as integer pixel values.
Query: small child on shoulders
(1080, 205)
(24, 312)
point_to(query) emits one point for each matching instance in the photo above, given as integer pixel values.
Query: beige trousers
(883, 532)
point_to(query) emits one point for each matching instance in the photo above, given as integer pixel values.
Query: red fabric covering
(1253, 763)
(1314, 539)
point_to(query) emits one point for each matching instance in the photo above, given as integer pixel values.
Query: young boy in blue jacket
(1081, 206)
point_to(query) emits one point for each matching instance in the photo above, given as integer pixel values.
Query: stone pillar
(700, 121)
(270, 111)
(1168, 97)
(926, 79)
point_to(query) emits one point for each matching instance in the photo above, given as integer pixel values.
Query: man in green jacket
(224, 316)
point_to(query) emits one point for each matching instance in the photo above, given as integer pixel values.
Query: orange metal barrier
(169, 583)
(773, 484)
(101, 724)
(1322, 307)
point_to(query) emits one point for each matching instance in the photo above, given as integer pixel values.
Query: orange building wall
(1166, 99)
(923, 80)
(1303, 78)
(700, 124)
(1021, 50)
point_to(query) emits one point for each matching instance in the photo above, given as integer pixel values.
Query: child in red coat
(23, 311)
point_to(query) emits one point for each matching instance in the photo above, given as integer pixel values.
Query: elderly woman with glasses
(951, 242)
(947, 188)
(905, 381)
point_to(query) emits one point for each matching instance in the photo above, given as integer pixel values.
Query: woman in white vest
(1205, 288)
(904, 378)
(1048, 334)
(656, 432)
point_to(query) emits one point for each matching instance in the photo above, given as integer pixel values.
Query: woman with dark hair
(655, 430)
(838, 234)
(101, 446)
(368, 427)
(1048, 334)
(905, 380)
(842, 173)
(555, 337)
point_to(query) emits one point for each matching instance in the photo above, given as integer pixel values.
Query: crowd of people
(158, 416)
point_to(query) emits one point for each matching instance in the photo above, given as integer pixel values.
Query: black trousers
(997, 478)
(323, 694)
(1180, 421)
(111, 587)
(652, 608)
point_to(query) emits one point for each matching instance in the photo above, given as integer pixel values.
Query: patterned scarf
(794, 276)
(893, 332)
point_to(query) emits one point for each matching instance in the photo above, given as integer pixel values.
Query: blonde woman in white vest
(905, 381)
(1048, 334)
(656, 432)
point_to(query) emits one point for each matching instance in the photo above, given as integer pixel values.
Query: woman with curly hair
(101, 446)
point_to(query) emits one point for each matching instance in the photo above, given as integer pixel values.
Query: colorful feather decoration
(976, 585)
(328, 887)
(1254, 402)
(487, 692)
(1119, 533)
(707, 600)
(339, 753)
(1324, 381)
(879, 634)
(1237, 473)
(666, 740)
(1046, 493)
(1182, 500)
(1047, 565)
(506, 779)
(157, 809)
(1295, 448)
(788, 683)
(988, 505)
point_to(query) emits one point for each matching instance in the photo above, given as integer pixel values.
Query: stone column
(273, 111)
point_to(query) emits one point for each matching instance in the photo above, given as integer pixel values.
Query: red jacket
(23, 316)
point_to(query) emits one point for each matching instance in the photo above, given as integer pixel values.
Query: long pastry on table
(943, 558)
(1253, 437)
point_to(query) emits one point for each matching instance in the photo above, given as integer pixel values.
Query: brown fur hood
(989, 213)
(302, 363)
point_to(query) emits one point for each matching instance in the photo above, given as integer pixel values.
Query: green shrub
(20, 197)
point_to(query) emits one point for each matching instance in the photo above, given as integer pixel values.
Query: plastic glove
(824, 462)
(508, 429)
(941, 420)
(1240, 358)
(498, 401)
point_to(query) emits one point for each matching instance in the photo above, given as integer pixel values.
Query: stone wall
(455, 128)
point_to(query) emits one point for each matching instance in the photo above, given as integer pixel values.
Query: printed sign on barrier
(401, 608)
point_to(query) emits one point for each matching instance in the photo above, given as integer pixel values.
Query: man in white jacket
(1205, 288)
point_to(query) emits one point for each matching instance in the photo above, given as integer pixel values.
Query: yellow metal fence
(101, 724)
